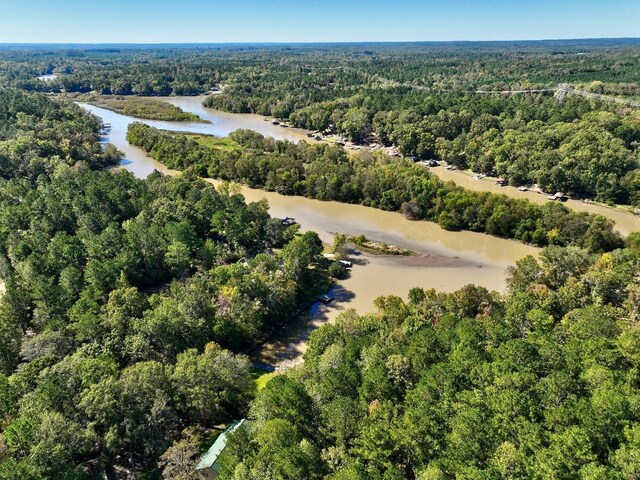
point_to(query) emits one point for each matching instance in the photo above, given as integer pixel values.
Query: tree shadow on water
(286, 346)
(357, 258)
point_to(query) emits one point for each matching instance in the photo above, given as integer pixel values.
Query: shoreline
(92, 101)
(625, 221)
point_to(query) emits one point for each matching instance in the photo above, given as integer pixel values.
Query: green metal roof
(209, 459)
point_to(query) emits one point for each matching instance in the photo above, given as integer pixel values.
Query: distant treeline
(419, 97)
(164, 69)
(327, 172)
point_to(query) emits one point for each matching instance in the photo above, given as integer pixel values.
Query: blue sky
(163, 21)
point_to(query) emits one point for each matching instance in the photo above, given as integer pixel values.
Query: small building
(208, 463)
(559, 196)
(243, 261)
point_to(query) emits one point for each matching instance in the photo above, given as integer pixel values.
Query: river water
(625, 221)
(222, 124)
(447, 260)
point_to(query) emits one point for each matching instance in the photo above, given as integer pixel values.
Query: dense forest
(128, 306)
(122, 296)
(578, 146)
(329, 69)
(541, 383)
(38, 135)
(109, 71)
(327, 172)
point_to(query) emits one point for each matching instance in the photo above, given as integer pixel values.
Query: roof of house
(209, 459)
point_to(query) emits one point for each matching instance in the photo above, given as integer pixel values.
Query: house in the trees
(208, 464)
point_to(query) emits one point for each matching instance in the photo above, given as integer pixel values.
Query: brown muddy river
(447, 260)
(222, 123)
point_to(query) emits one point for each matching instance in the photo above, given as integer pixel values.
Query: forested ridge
(125, 300)
(328, 172)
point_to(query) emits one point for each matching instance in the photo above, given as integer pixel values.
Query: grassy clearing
(219, 143)
(261, 378)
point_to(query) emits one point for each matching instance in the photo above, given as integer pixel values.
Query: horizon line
(333, 42)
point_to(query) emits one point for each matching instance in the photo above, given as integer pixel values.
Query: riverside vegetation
(327, 172)
(422, 98)
(144, 108)
(539, 383)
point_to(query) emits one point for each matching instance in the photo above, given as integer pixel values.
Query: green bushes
(145, 108)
